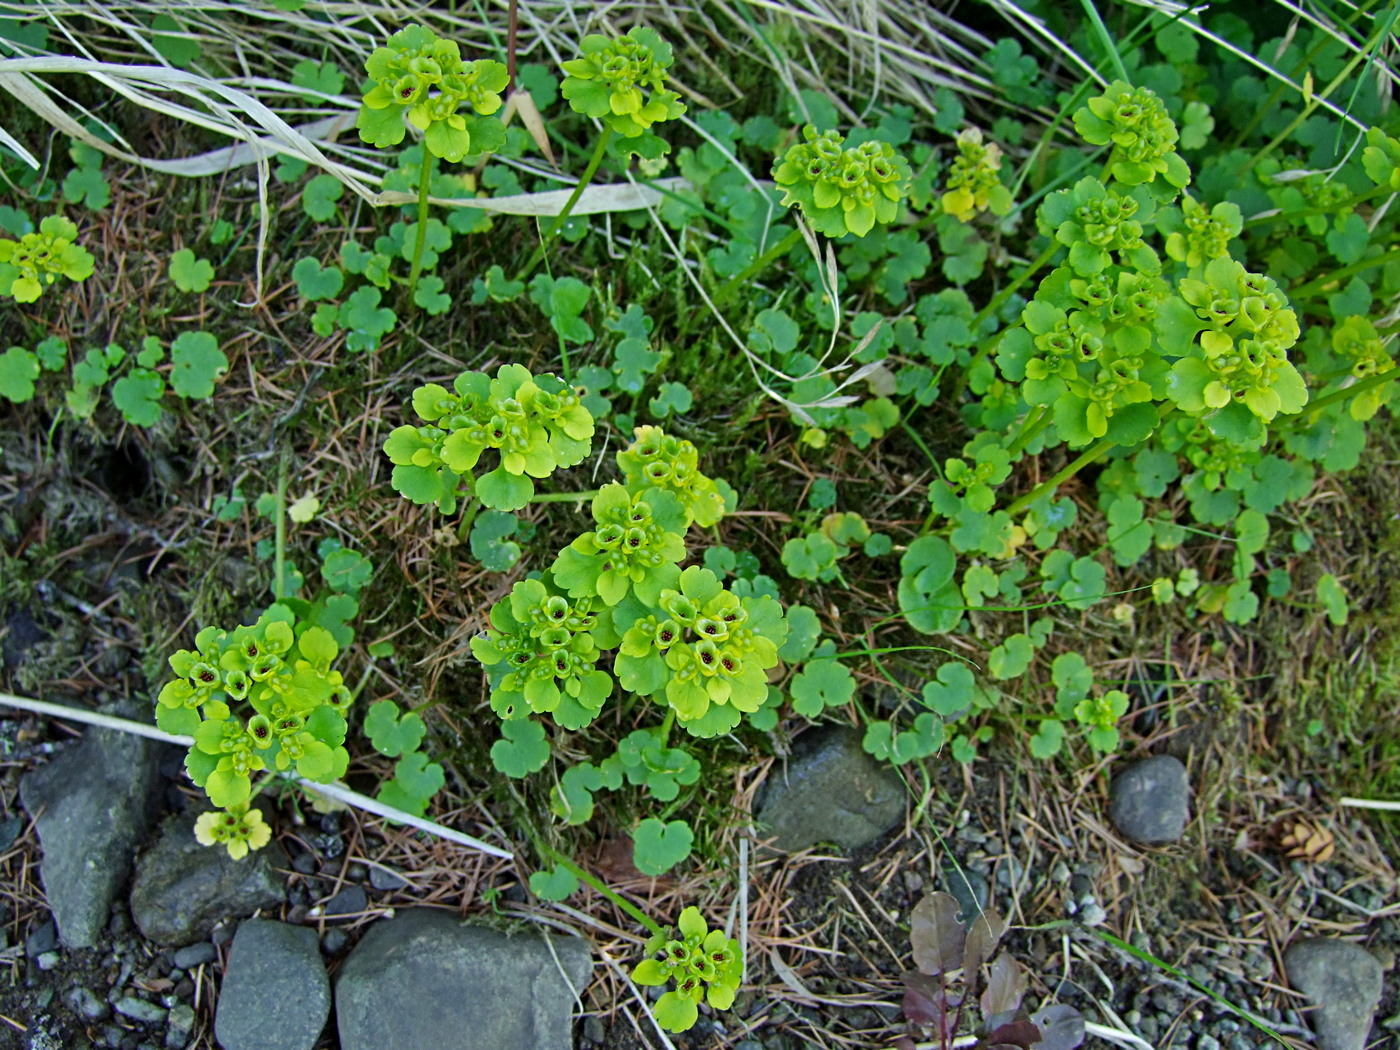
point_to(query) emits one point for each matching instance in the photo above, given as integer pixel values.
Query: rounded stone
(1343, 981)
(275, 995)
(1149, 801)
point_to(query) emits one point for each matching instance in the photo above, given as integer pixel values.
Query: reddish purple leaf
(936, 934)
(1006, 986)
(1061, 1027)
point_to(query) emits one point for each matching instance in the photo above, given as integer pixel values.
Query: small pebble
(48, 960)
(333, 943)
(385, 879)
(195, 955)
(140, 1010)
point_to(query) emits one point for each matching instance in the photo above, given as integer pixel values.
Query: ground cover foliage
(1018, 398)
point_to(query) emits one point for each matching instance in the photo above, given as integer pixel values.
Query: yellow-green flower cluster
(843, 189)
(37, 260)
(622, 81)
(238, 830)
(705, 964)
(423, 77)
(974, 183)
(1135, 123)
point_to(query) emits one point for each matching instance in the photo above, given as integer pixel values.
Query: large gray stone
(1343, 981)
(424, 979)
(92, 806)
(831, 791)
(182, 889)
(275, 995)
(1149, 801)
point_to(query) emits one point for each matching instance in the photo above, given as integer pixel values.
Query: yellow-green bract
(622, 81)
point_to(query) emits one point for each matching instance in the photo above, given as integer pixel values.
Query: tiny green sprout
(1100, 716)
(843, 190)
(704, 964)
(238, 830)
(423, 77)
(974, 183)
(622, 81)
(37, 260)
(1135, 123)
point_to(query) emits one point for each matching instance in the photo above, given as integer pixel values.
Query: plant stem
(1331, 209)
(468, 516)
(1369, 383)
(612, 895)
(563, 497)
(666, 725)
(753, 269)
(1037, 419)
(1070, 470)
(554, 227)
(1303, 291)
(421, 240)
(279, 550)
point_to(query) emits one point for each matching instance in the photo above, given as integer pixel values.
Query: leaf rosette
(1134, 121)
(658, 461)
(974, 179)
(638, 536)
(37, 260)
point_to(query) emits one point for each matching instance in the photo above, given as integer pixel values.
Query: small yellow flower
(239, 829)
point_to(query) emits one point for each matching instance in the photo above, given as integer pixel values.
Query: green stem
(611, 894)
(469, 514)
(279, 551)
(563, 497)
(1037, 419)
(1330, 209)
(554, 227)
(666, 725)
(753, 269)
(1303, 291)
(1347, 392)
(1070, 470)
(421, 240)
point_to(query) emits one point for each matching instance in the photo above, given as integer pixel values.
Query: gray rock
(179, 1025)
(386, 879)
(1343, 980)
(832, 791)
(352, 900)
(182, 889)
(1149, 801)
(275, 994)
(83, 1002)
(92, 805)
(43, 938)
(140, 1010)
(198, 954)
(10, 829)
(48, 960)
(523, 989)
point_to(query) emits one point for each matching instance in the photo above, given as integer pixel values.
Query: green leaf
(675, 1013)
(86, 185)
(523, 748)
(323, 77)
(367, 320)
(672, 397)
(346, 571)
(1333, 598)
(819, 685)
(189, 273)
(182, 50)
(430, 296)
(489, 543)
(658, 847)
(803, 631)
(416, 781)
(137, 396)
(1011, 658)
(391, 734)
(319, 197)
(315, 282)
(553, 884)
(1048, 740)
(196, 363)
(502, 490)
(18, 370)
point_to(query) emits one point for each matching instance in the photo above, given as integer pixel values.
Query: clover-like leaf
(319, 197)
(190, 274)
(658, 847)
(196, 363)
(316, 282)
(819, 685)
(523, 748)
(390, 733)
(553, 884)
(18, 370)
